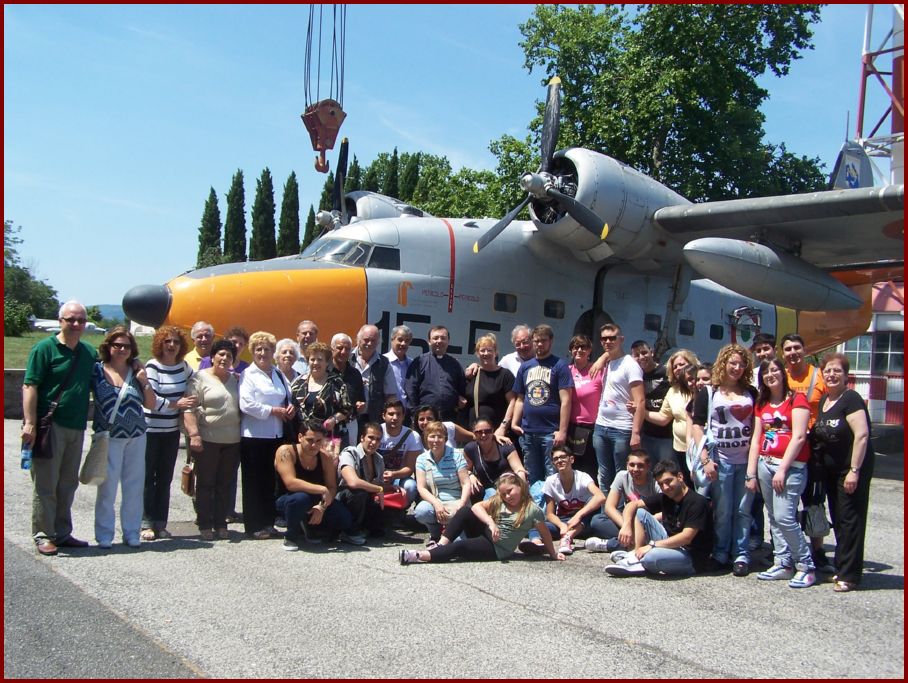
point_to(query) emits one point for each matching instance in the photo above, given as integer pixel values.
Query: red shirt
(776, 421)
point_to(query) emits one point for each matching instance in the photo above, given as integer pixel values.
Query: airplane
(604, 243)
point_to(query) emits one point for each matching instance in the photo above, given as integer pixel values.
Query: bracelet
(750, 477)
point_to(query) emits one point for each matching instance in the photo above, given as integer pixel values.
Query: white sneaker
(626, 567)
(289, 545)
(777, 573)
(566, 547)
(618, 555)
(594, 544)
(803, 580)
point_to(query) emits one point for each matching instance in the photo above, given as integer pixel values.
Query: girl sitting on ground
(493, 527)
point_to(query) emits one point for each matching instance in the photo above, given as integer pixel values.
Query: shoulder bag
(94, 468)
(42, 447)
(695, 448)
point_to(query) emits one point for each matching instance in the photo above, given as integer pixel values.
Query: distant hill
(112, 311)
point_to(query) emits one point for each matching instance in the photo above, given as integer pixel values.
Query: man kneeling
(680, 545)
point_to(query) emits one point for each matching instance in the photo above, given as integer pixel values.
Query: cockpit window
(353, 253)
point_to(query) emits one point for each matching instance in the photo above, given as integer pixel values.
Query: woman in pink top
(584, 405)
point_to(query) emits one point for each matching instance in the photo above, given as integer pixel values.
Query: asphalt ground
(184, 607)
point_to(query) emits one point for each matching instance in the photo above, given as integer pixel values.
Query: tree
(209, 231)
(309, 233)
(409, 177)
(371, 179)
(94, 314)
(671, 89)
(288, 236)
(235, 222)
(20, 286)
(262, 245)
(326, 201)
(354, 179)
(391, 184)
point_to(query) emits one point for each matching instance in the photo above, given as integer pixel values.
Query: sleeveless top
(313, 476)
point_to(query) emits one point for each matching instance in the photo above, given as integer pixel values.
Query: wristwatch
(855, 469)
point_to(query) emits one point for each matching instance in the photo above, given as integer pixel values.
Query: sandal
(148, 535)
(840, 586)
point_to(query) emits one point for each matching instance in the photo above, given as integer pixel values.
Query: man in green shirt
(56, 478)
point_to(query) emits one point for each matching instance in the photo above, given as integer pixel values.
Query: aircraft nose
(147, 304)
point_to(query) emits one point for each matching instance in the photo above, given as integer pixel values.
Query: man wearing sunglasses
(617, 431)
(58, 369)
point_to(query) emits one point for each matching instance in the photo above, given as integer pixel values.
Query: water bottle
(26, 456)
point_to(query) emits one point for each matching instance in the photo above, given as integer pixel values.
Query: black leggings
(479, 545)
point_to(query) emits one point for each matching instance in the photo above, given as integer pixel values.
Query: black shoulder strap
(69, 376)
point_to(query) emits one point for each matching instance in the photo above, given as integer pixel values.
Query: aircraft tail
(852, 168)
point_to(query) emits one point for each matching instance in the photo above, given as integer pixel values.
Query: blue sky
(118, 119)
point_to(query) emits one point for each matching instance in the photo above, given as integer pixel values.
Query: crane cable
(338, 54)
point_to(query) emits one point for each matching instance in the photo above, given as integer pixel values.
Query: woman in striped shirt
(167, 374)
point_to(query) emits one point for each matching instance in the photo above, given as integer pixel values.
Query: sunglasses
(482, 432)
(609, 337)
(120, 347)
(75, 321)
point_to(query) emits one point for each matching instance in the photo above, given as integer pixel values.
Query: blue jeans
(731, 513)
(537, 455)
(658, 449)
(611, 446)
(790, 547)
(668, 561)
(295, 509)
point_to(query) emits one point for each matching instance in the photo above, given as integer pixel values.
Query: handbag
(94, 467)
(187, 477)
(43, 447)
(695, 448)
(814, 521)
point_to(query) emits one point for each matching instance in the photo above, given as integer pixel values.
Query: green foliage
(326, 201)
(288, 235)
(212, 256)
(262, 245)
(409, 177)
(19, 285)
(354, 179)
(391, 185)
(309, 233)
(371, 178)
(15, 317)
(209, 230)
(235, 222)
(671, 89)
(10, 240)
(93, 313)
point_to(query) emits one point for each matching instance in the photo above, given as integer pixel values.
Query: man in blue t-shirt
(543, 405)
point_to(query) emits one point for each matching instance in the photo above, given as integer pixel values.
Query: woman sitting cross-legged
(442, 480)
(493, 527)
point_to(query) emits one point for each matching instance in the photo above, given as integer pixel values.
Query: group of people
(667, 467)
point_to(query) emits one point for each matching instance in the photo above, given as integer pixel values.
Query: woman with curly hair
(725, 411)
(322, 396)
(167, 375)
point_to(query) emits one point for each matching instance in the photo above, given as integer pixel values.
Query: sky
(119, 119)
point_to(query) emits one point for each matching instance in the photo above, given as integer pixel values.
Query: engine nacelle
(362, 205)
(622, 197)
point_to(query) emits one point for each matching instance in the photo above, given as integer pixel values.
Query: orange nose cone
(274, 301)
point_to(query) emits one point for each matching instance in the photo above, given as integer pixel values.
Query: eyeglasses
(75, 321)
(120, 347)
(557, 458)
(482, 432)
(609, 337)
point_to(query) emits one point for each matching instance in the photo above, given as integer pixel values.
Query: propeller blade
(579, 213)
(496, 229)
(551, 121)
(340, 177)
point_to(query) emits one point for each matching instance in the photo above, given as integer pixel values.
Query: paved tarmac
(184, 607)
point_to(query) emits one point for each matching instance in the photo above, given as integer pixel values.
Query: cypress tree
(391, 186)
(235, 222)
(354, 180)
(288, 235)
(409, 177)
(326, 201)
(262, 245)
(370, 179)
(309, 233)
(209, 232)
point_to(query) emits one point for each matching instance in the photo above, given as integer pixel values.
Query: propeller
(543, 185)
(329, 220)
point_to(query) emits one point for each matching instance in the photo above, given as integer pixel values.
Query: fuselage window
(716, 332)
(553, 309)
(652, 322)
(387, 258)
(504, 303)
(686, 327)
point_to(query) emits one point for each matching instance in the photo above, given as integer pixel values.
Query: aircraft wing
(828, 229)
